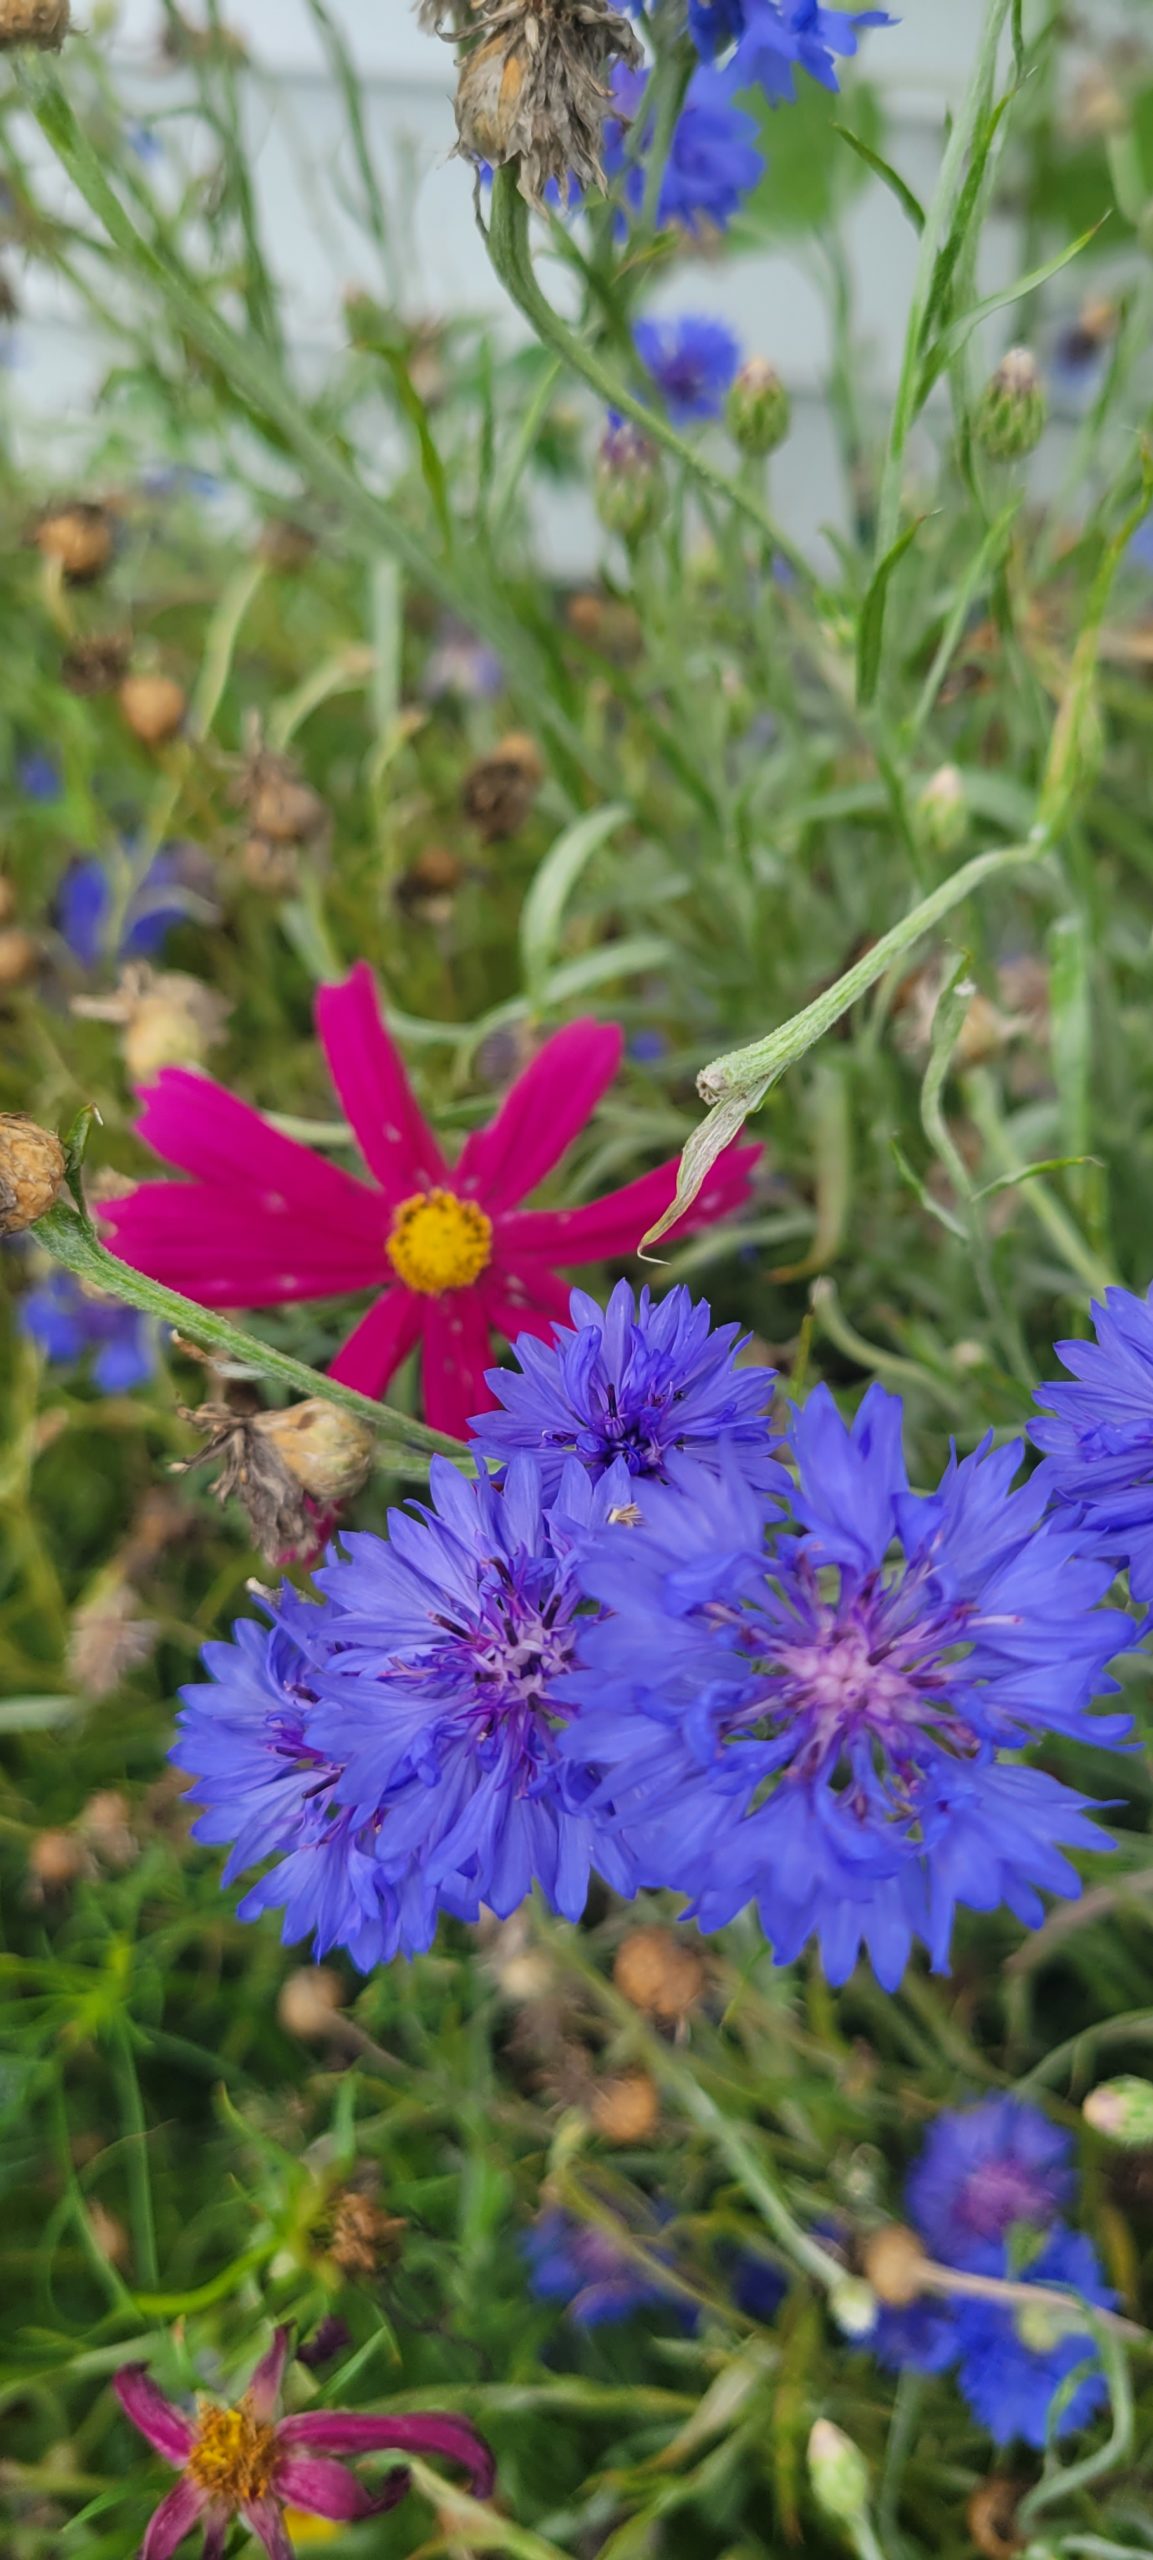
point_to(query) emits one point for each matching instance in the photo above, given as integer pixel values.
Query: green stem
(140, 2184)
(71, 1241)
(508, 248)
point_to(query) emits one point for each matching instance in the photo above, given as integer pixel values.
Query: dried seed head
(31, 1172)
(285, 546)
(360, 2238)
(893, 2262)
(658, 1973)
(328, 1452)
(535, 87)
(97, 665)
(105, 1823)
(166, 1018)
(78, 536)
(499, 792)
(289, 1470)
(154, 707)
(43, 23)
(991, 2515)
(109, 1638)
(627, 2109)
(19, 956)
(274, 869)
(56, 1859)
(310, 2002)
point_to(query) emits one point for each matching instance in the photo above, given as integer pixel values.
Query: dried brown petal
(31, 1172)
(536, 88)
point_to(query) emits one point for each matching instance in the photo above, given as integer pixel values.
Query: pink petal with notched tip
(263, 2393)
(391, 1131)
(168, 2430)
(383, 1338)
(175, 2516)
(457, 1351)
(344, 2431)
(615, 1225)
(324, 2488)
(263, 2517)
(196, 1124)
(547, 1108)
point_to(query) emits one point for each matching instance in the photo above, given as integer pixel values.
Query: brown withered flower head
(290, 1471)
(31, 1172)
(97, 665)
(534, 87)
(498, 793)
(359, 2237)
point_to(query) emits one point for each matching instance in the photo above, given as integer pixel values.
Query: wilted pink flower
(249, 2462)
(452, 1252)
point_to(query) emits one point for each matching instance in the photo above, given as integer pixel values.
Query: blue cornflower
(582, 2266)
(38, 775)
(922, 2338)
(396, 1744)
(982, 2174)
(1013, 2359)
(864, 1677)
(691, 361)
(166, 896)
(775, 41)
(713, 162)
(715, 25)
(757, 2286)
(634, 1381)
(1097, 1435)
(68, 1322)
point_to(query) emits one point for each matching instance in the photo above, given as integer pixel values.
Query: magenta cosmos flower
(250, 2462)
(453, 1255)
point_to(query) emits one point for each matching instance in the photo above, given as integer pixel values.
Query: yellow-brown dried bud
(109, 1636)
(97, 665)
(536, 88)
(894, 2263)
(166, 1017)
(991, 2515)
(285, 809)
(31, 1172)
(109, 2234)
(105, 1824)
(327, 1451)
(154, 707)
(360, 2238)
(499, 792)
(659, 1973)
(79, 536)
(626, 2109)
(289, 1470)
(19, 956)
(310, 2002)
(285, 546)
(56, 1859)
(274, 869)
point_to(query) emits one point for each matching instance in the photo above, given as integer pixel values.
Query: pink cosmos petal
(263, 2518)
(547, 1108)
(382, 1339)
(174, 2517)
(344, 2431)
(263, 2393)
(167, 2429)
(615, 1225)
(212, 1247)
(324, 2488)
(393, 1136)
(457, 1351)
(192, 1122)
(215, 2536)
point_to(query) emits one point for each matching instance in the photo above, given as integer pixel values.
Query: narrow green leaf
(889, 177)
(871, 628)
(955, 337)
(542, 914)
(37, 1715)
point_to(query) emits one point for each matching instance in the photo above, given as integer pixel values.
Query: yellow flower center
(439, 1242)
(233, 2456)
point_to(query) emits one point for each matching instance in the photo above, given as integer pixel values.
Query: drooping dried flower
(290, 1470)
(991, 2516)
(19, 956)
(535, 88)
(359, 2237)
(893, 2260)
(104, 1823)
(31, 1172)
(277, 802)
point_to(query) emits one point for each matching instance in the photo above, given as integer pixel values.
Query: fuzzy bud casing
(759, 411)
(630, 489)
(658, 1973)
(942, 809)
(79, 537)
(839, 2473)
(154, 707)
(1122, 2110)
(327, 1452)
(43, 23)
(893, 2262)
(31, 1172)
(310, 2001)
(1012, 409)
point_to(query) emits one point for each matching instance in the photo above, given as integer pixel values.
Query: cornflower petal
(391, 1131)
(167, 2429)
(547, 1108)
(343, 2431)
(174, 2517)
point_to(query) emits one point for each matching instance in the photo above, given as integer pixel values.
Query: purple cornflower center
(498, 1662)
(859, 1679)
(1000, 2193)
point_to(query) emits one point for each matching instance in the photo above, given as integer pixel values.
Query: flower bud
(19, 956)
(310, 2002)
(626, 2110)
(79, 536)
(629, 489)
(942, 809)
(839, 2473)
(109, 2234)
(499, 792)
(43, 23)
(991, 2516)
(1012, 409)
(154, 707)
(853, 2305)
(658, 1973)
(893, 2261)
(359, 2237)
(106, 1826)
(328, 1452)
(31, 1172)
(274, 869)
(1122, 2110)
(95, 666)
(173, 1022)
(759, 410)
(281, 806)
(56, 1859)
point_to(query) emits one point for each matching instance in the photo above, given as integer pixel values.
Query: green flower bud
(942, 809)
(839, 2473)
(759, 409)
(1122, 2109)
(630, 489)
(1012, 409)
(853, 2305)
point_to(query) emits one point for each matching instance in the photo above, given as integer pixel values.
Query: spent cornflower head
(826, 1716)
(691, 361)
(1096, 1435)
(250, 2462)
(984, 2172)
(449, 1253)
(639, 1380)
(394, 1746)
(713, 161)
(534, 88)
